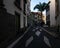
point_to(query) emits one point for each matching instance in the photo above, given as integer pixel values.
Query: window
(17, 21)
(18, 1)
(24, 7)
(17, 4)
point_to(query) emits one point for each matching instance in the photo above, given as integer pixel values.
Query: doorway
(17, 21)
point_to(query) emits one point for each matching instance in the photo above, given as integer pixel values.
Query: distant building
(44, 19)
(37, 17)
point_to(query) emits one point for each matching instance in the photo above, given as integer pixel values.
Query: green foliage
(42, 6)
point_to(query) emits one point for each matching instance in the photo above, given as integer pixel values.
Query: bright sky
(34, 2)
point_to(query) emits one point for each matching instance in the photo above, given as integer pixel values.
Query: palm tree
(41, 7)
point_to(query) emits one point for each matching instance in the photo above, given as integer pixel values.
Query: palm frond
(36, 7)
(41, 7)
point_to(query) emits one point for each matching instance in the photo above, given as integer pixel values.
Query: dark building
(13, 20)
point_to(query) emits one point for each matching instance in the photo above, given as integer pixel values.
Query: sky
(34, 2)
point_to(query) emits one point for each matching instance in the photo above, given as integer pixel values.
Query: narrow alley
(36, 38)
(29, 23)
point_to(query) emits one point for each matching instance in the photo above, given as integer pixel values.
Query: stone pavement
(33, 39)
(36, 37)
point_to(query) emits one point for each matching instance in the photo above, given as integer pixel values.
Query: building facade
(48, 16)
(13, 17)
(52, 13)
(57, 17)
(28, 12)
(37, 17)
(17, 8)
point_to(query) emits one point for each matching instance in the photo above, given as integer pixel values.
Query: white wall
(52, 13)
